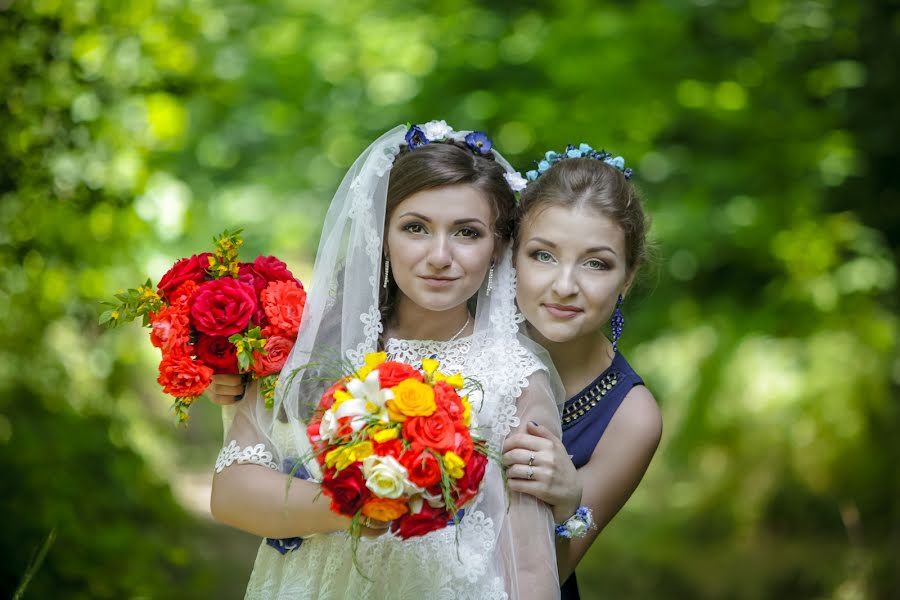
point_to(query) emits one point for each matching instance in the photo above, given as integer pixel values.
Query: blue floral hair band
(438, 131)
(580, 151)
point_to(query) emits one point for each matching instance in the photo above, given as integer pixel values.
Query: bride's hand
(539, 465)
(225, 389)
(372, 528)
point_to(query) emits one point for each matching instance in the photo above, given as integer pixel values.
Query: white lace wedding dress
(473, 560)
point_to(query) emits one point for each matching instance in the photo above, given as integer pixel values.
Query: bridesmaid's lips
(562, 311)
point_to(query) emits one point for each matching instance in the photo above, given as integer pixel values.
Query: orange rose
(170, 330)
(283, 303)
(384, 509)
(182, 376)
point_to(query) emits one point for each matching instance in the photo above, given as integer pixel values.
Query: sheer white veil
(341, 320)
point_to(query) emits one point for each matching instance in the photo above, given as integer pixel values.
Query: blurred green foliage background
(763, 135)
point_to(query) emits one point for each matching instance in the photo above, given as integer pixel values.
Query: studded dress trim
(588, 399)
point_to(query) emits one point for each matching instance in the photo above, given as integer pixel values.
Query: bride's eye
(414, 228)
(468, 232)
(542, 256)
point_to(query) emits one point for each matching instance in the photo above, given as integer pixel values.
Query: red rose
(389, 448)
(247, 274)
(462, 442)
(392, 373)
(347, 490)
(223, 307)
(272, 269)
(186, 269)
(183, 377)
(467, 485)
(425, 521)
(424, 469)
(435, 431)
(283, 302)
(447, 399)
(217, 353)
(327, 399)
(270, 363)
(170, 330)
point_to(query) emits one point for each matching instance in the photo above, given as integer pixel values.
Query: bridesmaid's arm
(614, 470)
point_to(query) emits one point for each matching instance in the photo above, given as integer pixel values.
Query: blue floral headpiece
(581, 151)
(477, 141)
(438, 131)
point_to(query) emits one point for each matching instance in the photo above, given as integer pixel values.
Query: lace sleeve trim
(256, 455)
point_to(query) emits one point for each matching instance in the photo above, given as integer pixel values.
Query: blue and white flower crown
(580, 151)
(477, 141)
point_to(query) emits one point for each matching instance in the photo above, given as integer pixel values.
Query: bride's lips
(438, 281)
(562, 311)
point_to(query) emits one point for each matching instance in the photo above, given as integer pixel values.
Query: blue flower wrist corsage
(577, 525)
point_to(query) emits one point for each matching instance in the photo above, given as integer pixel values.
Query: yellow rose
(411, 399)
(454, 464)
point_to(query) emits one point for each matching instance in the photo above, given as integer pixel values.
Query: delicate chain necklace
(461, 329)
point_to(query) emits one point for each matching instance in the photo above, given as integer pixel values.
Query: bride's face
(440, 243)
(571, 269)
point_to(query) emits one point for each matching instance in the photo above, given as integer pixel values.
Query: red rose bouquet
(396, 444)
(212, 314)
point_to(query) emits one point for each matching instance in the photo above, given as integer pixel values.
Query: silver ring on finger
(530, 473)
(531, 460)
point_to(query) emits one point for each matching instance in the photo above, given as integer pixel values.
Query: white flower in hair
(437, 130)
(515, 181)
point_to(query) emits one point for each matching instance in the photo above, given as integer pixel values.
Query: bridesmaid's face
(571, 269)
(440, 243)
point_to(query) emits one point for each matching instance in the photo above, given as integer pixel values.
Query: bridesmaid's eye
(597, 264)
(468, 232)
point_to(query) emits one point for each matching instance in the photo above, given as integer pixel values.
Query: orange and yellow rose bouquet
(396, 443)
(211, 313)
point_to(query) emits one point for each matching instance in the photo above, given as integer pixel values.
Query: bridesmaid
(580, 242)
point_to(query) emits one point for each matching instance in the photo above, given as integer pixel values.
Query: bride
(419, 227)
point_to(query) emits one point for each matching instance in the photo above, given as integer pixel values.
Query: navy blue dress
(585, 418)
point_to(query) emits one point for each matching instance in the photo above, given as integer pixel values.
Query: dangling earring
(617, 322)
(387, 266)
(490, 284)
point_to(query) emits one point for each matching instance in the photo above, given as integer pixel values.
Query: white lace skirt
(437, 566)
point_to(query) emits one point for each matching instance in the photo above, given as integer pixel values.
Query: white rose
(516, 182)
(385, 476)
(437, 130)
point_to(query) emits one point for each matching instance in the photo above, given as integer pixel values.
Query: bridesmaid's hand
(226, 389)
(539, 465)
